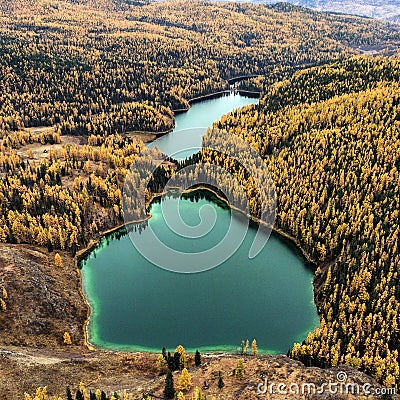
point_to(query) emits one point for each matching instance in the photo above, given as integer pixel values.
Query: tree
(182, 361)
(50, 246)
(170, 362)
(185, 380)
(390, 381)
(169, 390)
(254, 349)
(58, 261)
(41, 394)
(180, 349)
(177, 361)
(221, 383)
(69, 394)
(67, 338)
(198, 394)
(197, 358)
(180, 396)
(162, 364)
(239, 371)
(246, 347)
(83, 390)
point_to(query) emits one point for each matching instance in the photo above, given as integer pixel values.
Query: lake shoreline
(93, 243)
(84, 252)
(194, 100)
(198, 99)
(279, 231)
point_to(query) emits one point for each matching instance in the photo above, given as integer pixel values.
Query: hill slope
(382, 9)
(331, 138)
(89, 72)
(67, 54)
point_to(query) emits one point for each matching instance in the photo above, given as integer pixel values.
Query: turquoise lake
(191, 125)
(137, 306)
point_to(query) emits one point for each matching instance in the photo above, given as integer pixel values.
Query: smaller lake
(136, 306)
(190, 127)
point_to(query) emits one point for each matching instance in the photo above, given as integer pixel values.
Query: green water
(138, 306)
(191, 126)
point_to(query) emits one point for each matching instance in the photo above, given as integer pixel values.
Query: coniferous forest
(330, 137)
(82, 81)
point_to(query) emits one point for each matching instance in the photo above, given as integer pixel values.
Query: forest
(327, 126)
(330, 136)
(86, 69)
(101, 72)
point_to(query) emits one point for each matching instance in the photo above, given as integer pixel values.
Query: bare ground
(41, 151)
(25, 369)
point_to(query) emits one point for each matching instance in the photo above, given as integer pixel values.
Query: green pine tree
(169, 391)
(177, 361)
(197, 358)
(170, 362)
(69, 394)
(79, 395)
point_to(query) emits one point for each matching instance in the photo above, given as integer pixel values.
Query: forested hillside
(88, 74)
(389, 9)
(331, 139)
(98, 72)
(385, 9)
(109, 67)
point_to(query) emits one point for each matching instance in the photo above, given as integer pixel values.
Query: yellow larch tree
(3, 305)
(67, 338)
(180, 396)
(58, 261)
(239, 371)
(185, 380)
(162, 364)
(254, 349)
(198, 394)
